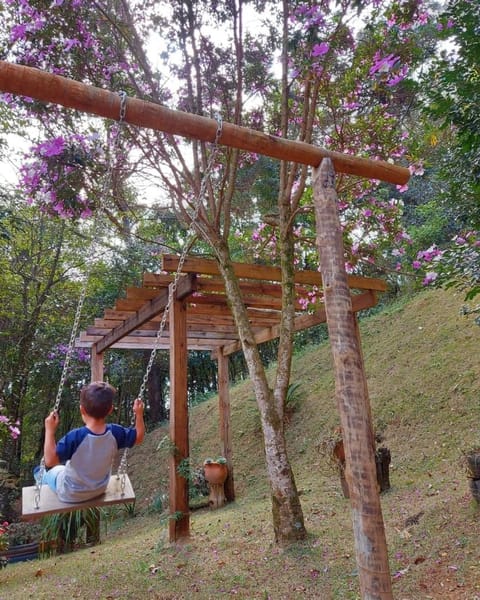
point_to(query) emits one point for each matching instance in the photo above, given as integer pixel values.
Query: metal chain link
(122, 469)
(107, 180)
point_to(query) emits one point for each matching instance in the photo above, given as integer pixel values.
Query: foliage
(68, 529)
(219, 460)
(4, 537)
(452, 95)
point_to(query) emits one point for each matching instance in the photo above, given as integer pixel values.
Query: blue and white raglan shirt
(88, 459)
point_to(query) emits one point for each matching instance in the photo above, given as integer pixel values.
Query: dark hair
(97, 399)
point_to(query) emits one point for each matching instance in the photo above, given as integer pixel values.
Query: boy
(81, 461)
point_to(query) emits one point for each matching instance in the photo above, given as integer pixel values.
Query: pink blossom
(18, 32)
(416, 169)
(423, 18)
(15, 432)
(391, 21)
(383, 65)
(320, 49)
(52, 147)
(430, 277)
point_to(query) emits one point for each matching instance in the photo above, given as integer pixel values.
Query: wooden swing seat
(50, 504)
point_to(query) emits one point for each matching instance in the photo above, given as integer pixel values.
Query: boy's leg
(50, 476)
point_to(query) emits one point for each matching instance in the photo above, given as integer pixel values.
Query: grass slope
(423, 374)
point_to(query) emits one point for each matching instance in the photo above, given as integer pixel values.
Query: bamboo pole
(351, 394)
(46, 87)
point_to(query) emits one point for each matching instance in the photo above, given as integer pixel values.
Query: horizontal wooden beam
(156, 280)
(46, 87)
(127, 344)
(359, 302)
(169, 262)
(149, 309)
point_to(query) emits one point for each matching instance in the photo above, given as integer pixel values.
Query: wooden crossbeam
(46, 87)
(265, 273)
(359, 302)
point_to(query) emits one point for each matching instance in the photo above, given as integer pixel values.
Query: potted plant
(216, 470)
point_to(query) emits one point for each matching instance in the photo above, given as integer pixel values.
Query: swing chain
(83, 293)
(122, 469)
(92, 249)
(183, 256)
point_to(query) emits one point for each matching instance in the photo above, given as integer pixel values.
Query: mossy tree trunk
(288, 521)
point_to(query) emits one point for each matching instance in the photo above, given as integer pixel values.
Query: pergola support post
(225, 422)
(351, 394)
(179, 523)
(96, 364)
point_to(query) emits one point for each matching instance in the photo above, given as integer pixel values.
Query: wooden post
(179, 525)
(225, 422)
(352, 400)
(96, 364)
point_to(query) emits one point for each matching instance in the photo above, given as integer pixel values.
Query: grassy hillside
(422, 361)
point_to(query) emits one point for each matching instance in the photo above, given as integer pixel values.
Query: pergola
(130, 324)
(200, 319)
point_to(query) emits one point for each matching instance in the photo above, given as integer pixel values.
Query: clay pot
(215, 473)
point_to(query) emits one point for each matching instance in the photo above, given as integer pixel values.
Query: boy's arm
(50, 446)
(138, 408)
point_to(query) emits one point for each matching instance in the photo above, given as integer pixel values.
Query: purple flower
(52, 147)
(429, 278)
(320, 49)
(18, 32)
(383, 65)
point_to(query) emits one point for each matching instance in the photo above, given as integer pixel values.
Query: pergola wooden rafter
(134, 320)
(132, 325)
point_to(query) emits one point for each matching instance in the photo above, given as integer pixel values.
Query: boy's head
(97, 399)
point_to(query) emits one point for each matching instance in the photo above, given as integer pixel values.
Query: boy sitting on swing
(80, 463)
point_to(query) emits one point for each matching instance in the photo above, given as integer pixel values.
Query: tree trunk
(351, 394)
(157, 410)
(288, 522)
